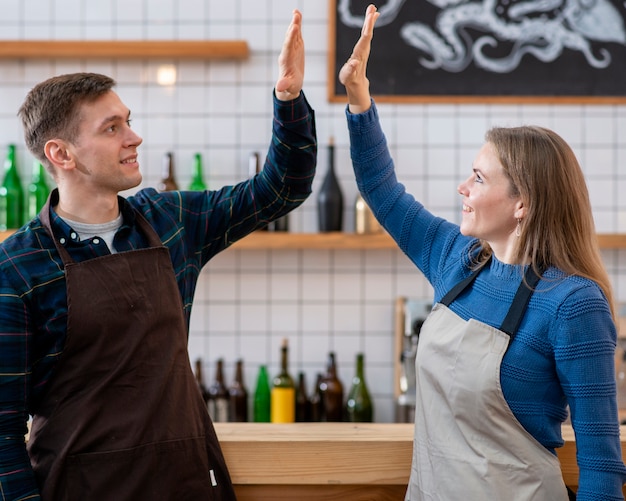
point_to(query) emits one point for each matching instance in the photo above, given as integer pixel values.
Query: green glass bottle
(359, 408)
(11, 194)
(38, 191)
(197, 178)
(262, 397)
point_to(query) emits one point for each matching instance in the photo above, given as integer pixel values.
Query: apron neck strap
(461, 286)
(44, 216)
(520, 301)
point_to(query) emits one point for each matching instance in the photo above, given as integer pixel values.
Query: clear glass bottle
(11, 194)
(364, 220)
(359, 408)
(283, 399)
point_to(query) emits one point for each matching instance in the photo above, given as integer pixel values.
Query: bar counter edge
(335, 461)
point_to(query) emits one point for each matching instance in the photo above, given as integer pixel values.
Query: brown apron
(123, 418)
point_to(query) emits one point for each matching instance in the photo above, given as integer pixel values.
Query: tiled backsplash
(321, 300)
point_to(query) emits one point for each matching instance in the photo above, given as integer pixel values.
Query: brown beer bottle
(238, 397)
(316, 400)
(303, 405)
(331, 390)
(168, 179)
(218, 396)
(200, 380)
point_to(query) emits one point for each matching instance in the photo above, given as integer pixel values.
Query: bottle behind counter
(168, 176)
(218, 396)
(303, 404)
(238, 397)
(262, 397)
(11, 194)
(38, 191)
(330, 197)
(359, 408)
(197, 174)
(283, 397)
(331, 390)
(200, 380)
(316, 400)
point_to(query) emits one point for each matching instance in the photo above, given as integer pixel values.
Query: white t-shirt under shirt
(105, 231)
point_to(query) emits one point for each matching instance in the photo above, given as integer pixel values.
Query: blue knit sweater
(563, 353)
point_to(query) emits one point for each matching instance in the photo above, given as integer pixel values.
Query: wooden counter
(334, 461)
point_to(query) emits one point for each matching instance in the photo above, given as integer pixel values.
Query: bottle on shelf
(303, 404)
(330, 197)
(359, 408)
(197, 175)
(200, 380)
(254, 167)
(262, 397)
(38, 191)
(218, 396)
(364, 220)
(331, 390)
(238, 396)
(283, 398)
(11, 194)
(168, 176)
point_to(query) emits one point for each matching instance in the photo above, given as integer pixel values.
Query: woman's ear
(57, 152)
(520, 210)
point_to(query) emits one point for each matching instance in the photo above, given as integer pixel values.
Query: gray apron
(468, 445)
(123, 417)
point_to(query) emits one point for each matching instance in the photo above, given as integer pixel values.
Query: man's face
(105, 151)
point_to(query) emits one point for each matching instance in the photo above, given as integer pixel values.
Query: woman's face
(490, 212)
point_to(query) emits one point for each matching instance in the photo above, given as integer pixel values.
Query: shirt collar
(64, 231)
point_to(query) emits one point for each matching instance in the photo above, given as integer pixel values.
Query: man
(97, 293)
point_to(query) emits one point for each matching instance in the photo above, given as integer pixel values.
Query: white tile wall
(247, 301)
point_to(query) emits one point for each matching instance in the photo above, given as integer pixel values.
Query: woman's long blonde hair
(558, 229)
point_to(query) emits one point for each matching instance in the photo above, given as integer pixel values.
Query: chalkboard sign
(551, 51)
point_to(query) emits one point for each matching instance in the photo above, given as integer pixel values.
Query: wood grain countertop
(334, 461)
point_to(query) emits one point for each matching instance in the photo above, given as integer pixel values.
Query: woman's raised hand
(353, 74)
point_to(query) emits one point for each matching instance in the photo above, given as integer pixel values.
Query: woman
(523, 324)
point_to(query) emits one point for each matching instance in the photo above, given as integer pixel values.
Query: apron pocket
(176, 469)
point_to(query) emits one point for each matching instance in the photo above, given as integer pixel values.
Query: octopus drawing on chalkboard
(542, 29)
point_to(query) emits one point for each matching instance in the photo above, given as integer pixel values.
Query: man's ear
(58, 153)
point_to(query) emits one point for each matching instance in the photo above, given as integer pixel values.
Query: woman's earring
(518, 228)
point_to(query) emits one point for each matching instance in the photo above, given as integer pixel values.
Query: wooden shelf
(271, 240)
(350, 241)
(123, 49)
